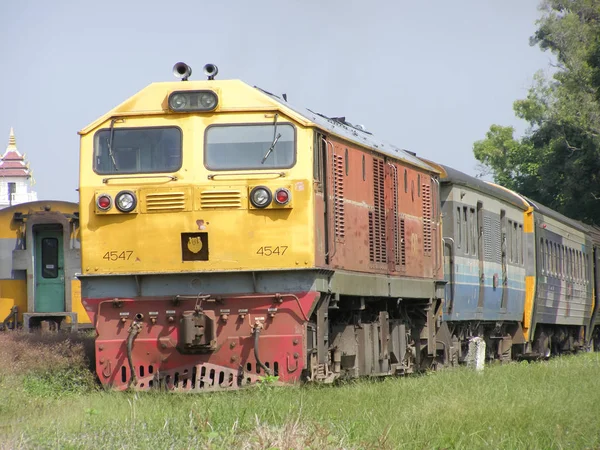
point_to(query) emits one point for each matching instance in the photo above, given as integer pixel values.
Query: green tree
(557, 162)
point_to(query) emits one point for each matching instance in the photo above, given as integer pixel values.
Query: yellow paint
(151, 242)
(13, 293)
(529, 304)
(439, 168)
(240, 237)
(528, 223)
(517, 195)
(234, 96)
(82, 316)
(529, 227)
(9, 229)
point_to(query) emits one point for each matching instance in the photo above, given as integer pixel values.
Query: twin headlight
(125, 201)
(261, 196)
(184, 101)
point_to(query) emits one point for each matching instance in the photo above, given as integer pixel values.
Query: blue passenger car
(518, 273)
(486, 255)
(561, 315)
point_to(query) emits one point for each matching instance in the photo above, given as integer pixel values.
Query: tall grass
(47, 364)
(554, 404)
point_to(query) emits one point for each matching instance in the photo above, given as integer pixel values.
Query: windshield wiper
(275, 139)
(109, 142)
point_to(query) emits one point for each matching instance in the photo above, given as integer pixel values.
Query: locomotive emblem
(194, 244)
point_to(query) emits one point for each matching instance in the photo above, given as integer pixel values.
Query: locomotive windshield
(137, 150)
(237, 147)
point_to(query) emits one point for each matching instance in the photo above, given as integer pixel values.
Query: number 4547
(115, 255)
(270, 250)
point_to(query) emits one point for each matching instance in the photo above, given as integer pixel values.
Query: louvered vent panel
(338, 196)
(497, 241)
(492, 241)
(165, 201)
(371, 237)
(427, 217)
(402, 243)
(487, 243)
(220, 199)
(395, 214)
(377, 236)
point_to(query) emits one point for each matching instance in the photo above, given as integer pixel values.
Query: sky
(429, 76)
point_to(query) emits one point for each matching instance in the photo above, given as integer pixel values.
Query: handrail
(213, 176)
(331, 215)
(397, 216)
(449, 242)
(435, 209)
(126, 177)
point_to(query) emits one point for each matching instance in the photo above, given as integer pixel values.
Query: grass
(553, 404)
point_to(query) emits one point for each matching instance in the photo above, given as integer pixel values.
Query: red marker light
(282, 196)
(104, 202)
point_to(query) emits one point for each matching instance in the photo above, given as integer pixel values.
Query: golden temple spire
(12, 142)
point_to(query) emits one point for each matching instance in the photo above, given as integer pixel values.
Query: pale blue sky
(429, 76)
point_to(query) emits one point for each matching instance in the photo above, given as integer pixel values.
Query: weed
(267, 382)
(22, 352)
(46, 364)
(64, 381)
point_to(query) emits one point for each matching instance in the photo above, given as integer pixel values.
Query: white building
(15, 176)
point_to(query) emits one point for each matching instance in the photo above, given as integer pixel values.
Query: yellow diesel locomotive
(227, 235)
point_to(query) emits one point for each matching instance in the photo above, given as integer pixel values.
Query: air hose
(12, 316)
(134, 330)
(256, 332)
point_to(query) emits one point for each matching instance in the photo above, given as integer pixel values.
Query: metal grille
(371, 238)
(395, 213)
(488, 250)
(338, 196)
(165, 201)
(203, 377)
(402, 243)
(427, 219)
(220, 199)
(491, 239)
(377, 238)
(497, 240)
